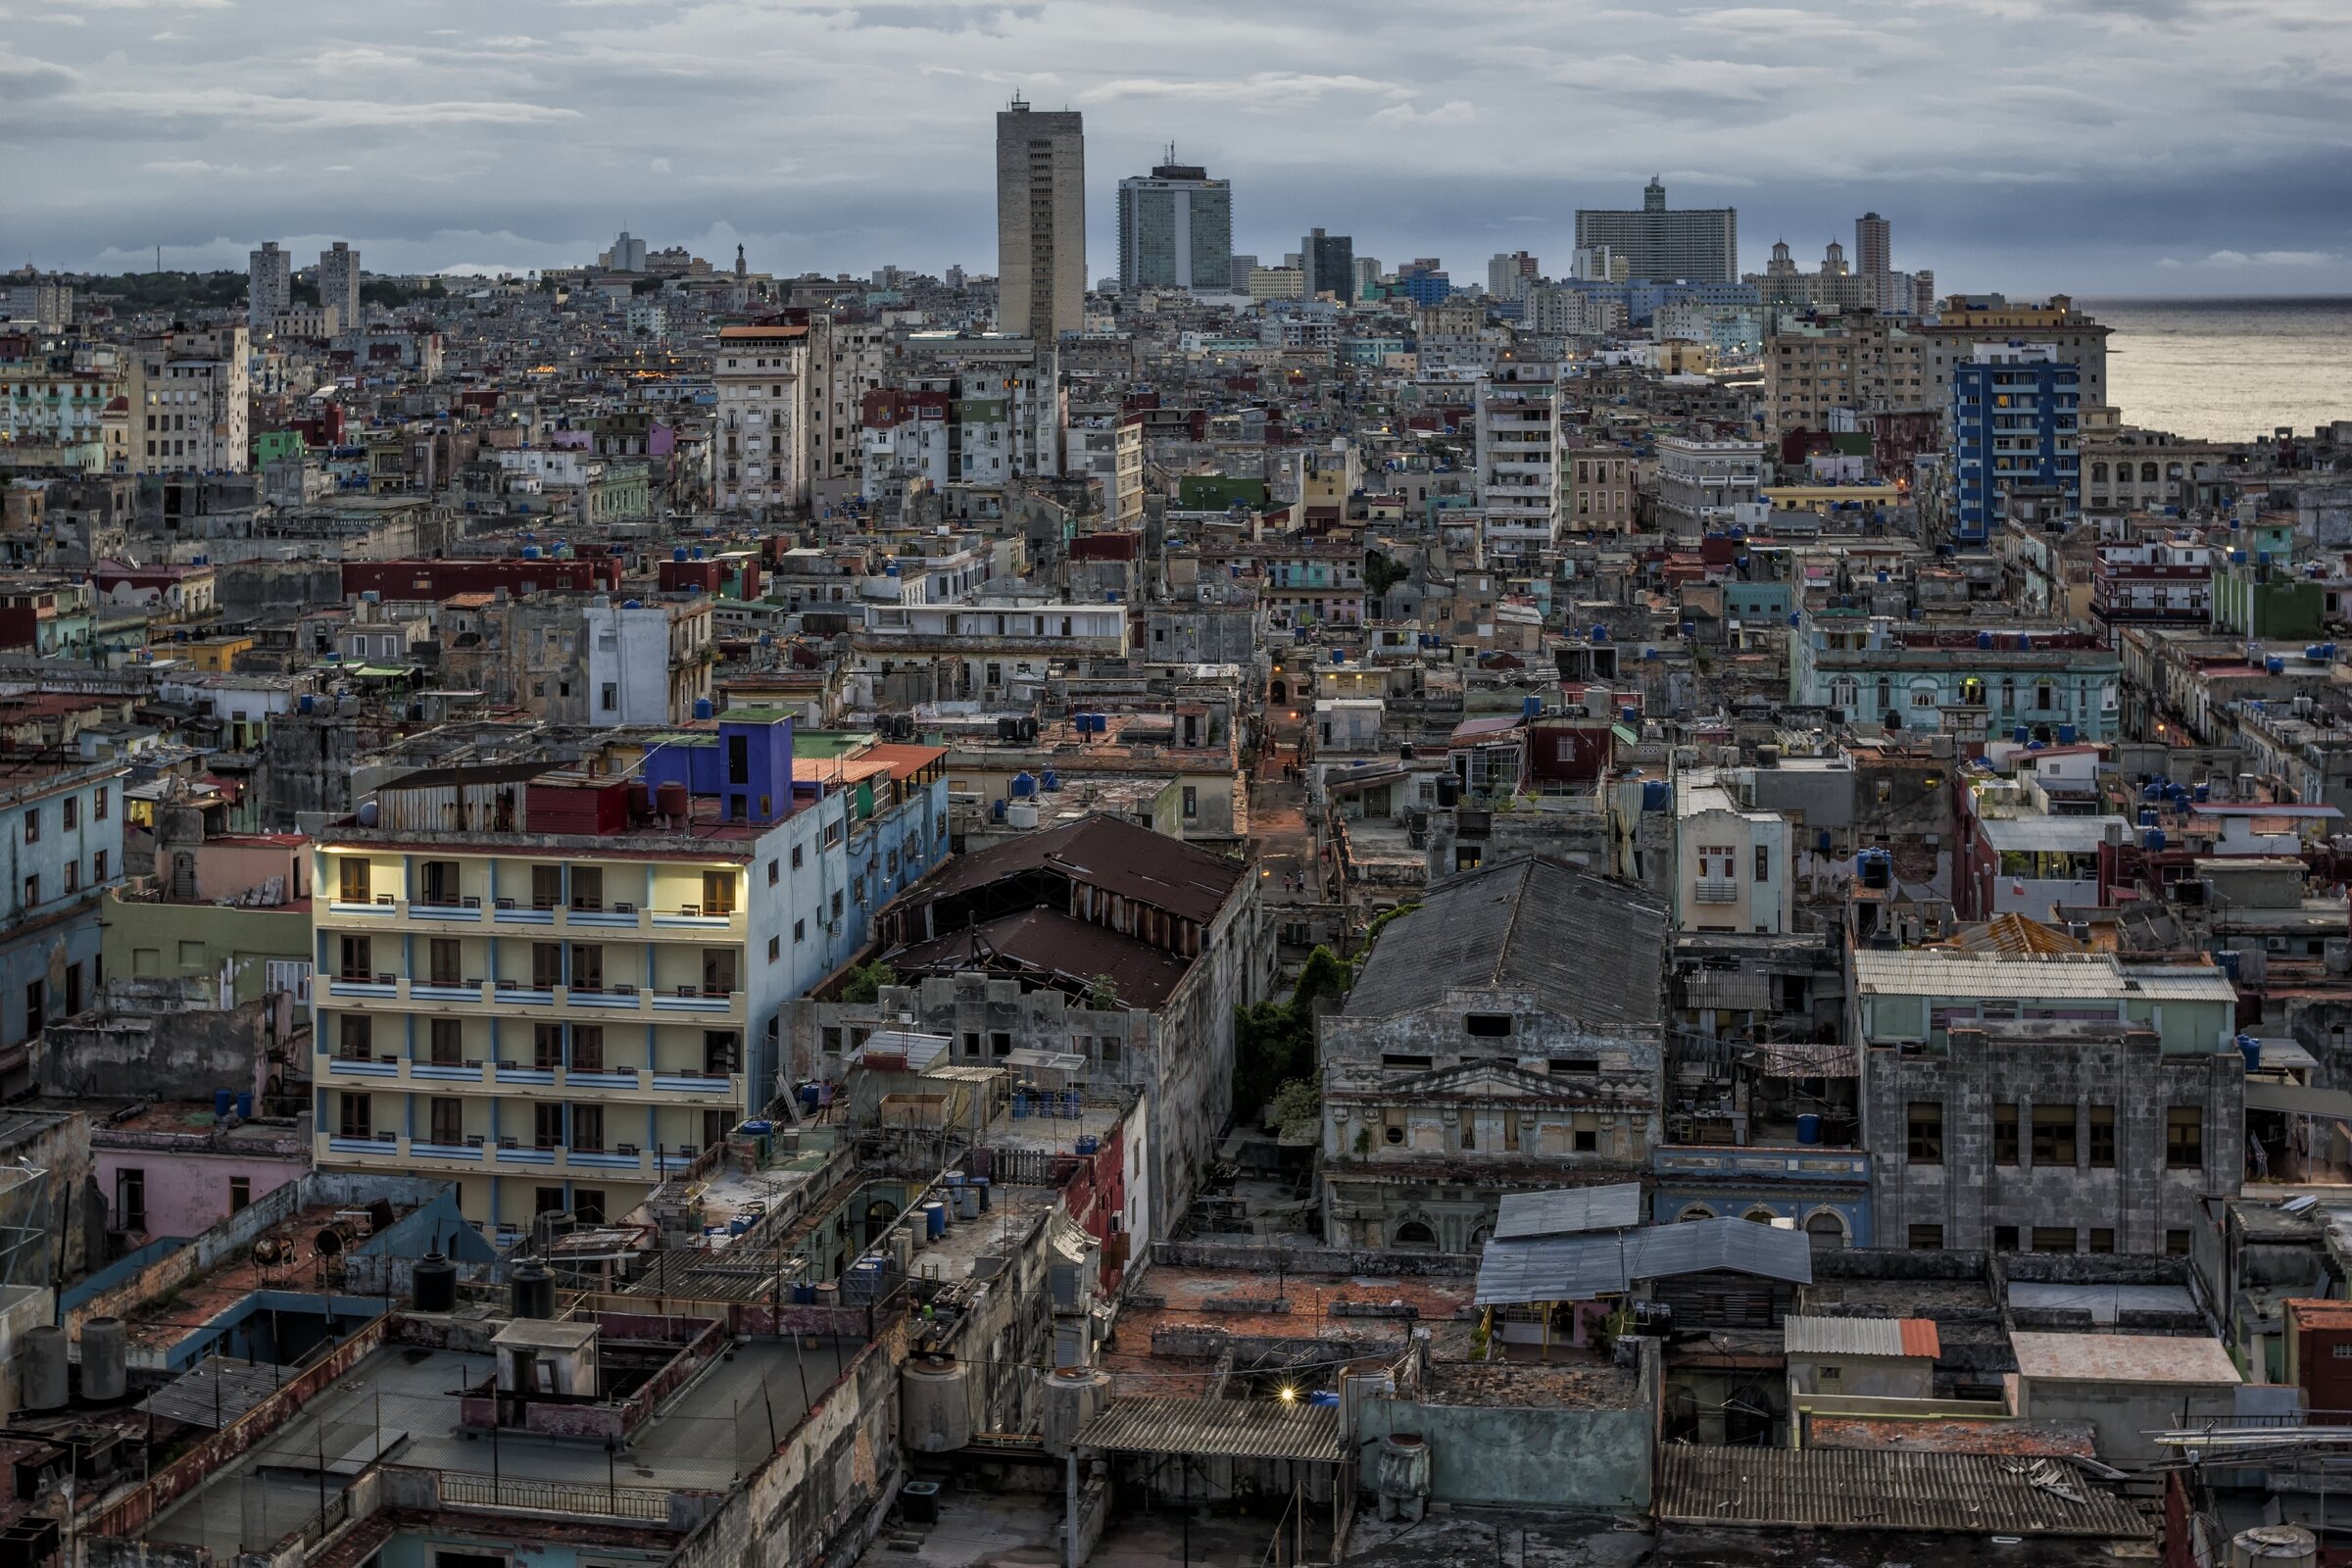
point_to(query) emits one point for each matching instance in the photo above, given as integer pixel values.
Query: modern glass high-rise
(1329, 262)
(1176, 230)
(1041, 222)
(1692, 245)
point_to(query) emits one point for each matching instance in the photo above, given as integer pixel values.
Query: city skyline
(450, 143)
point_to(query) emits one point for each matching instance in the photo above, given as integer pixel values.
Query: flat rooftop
(2123, 1358)
(1172, 1329)
(713, 1433)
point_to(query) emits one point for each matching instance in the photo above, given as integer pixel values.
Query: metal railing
(463, 1491)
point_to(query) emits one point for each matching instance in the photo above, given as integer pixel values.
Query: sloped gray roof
(1865, 1489)
(1589, 949)
(1568, 1210)
(1578, 1268)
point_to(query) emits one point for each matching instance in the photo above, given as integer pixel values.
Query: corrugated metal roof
(1567, 1210)
(1587, 948)
(1863, 1488)
(2161, 1358)
(1578, 1268)
(1949, 973)
(1222, 1429)
(1860, 1336)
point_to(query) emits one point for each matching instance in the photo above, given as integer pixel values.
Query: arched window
(2147, 474)
(1760, 1215)
(1697, 1211)
(2099, 473)
(1825, 1230)
(1415, 1236)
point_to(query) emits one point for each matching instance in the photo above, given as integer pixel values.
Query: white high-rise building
(761, 377)
(268, 285)
(187, 394)
(627, 254)
(339, 281)
(1510, 275)
(1518, 460)
(1041, 222)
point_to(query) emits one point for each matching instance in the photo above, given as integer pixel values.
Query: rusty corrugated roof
(1220, 1429)
(1860, 1489)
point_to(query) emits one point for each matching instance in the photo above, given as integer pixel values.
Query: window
(1588, 1141)
(2102, 1239)
(68, 812)
(355, 1034)
(719, 892)
(2102, 1138)
(722, 1051)
(547, 886)
(355, 1118)
(587, 887)
(2184, 1137)
(240, 1194)
(588, 1128)
(448, 1042)
(1763, 863)
(32, 891)
(73, 883)
(2053, 1137)
(1469, 1130)
(776, 949)
(439, 884)
(546, 1045)
(797, 852)
(800, 930)
(98, 866)
(2004, 1237)
(353, 887)
(1925, 1238)
(2053, 1239)
(1926, 1133)
(547, 1124)
(544, 1201)
(32, 825)
(2004, 1134)
(587, 966)
(609, 697)
(443, 957)
(999, 1043)
(587, 1047)
(98, 805)
(1192, 800)
(772, 873)
(547, 965)
(448, 1121)
(130, 1199)
(1488, 1025)
(588, 1204)
(2177, 1243)
(718, 971)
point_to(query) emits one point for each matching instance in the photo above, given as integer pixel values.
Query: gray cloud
(2017, 144)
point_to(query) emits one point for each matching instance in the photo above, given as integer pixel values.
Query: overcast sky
(2098, 146)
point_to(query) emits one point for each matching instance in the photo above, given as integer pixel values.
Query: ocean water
(2225, 370)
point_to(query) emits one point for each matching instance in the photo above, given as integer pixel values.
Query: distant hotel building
(1176, 230)
(1700, 244)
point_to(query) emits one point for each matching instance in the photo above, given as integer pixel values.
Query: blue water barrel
(2066, 734)
(758, 1127)
(935, 1219)
(804, 1295)
(2021, 734)
(1088, 1145)
(1656, 795)
(2251, 1048)
(2204, 793)
(224, 1102)
(1020, 1104)
(1531, 708)
(1323, 1397)
(1808, 1128)
(245, 1106)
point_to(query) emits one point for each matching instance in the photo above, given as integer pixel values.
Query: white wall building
(1518, 458)
(1730, 863)
(760, 376)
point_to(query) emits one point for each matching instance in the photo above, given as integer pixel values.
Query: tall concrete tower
(1873, 245)
(268, 285)
(339, 282)
(1041, 222)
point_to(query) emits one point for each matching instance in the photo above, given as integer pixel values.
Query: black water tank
(534, 1292)
(1450, 791)
(435, 1284)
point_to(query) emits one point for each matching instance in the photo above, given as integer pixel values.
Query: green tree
(1383, 571)
(866, 982)
(1296, 1110)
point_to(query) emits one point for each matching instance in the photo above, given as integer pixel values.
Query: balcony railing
(1715, 890)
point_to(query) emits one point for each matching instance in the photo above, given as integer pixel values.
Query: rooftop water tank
(703, 707)
(935, 1404)
(105, 1359)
